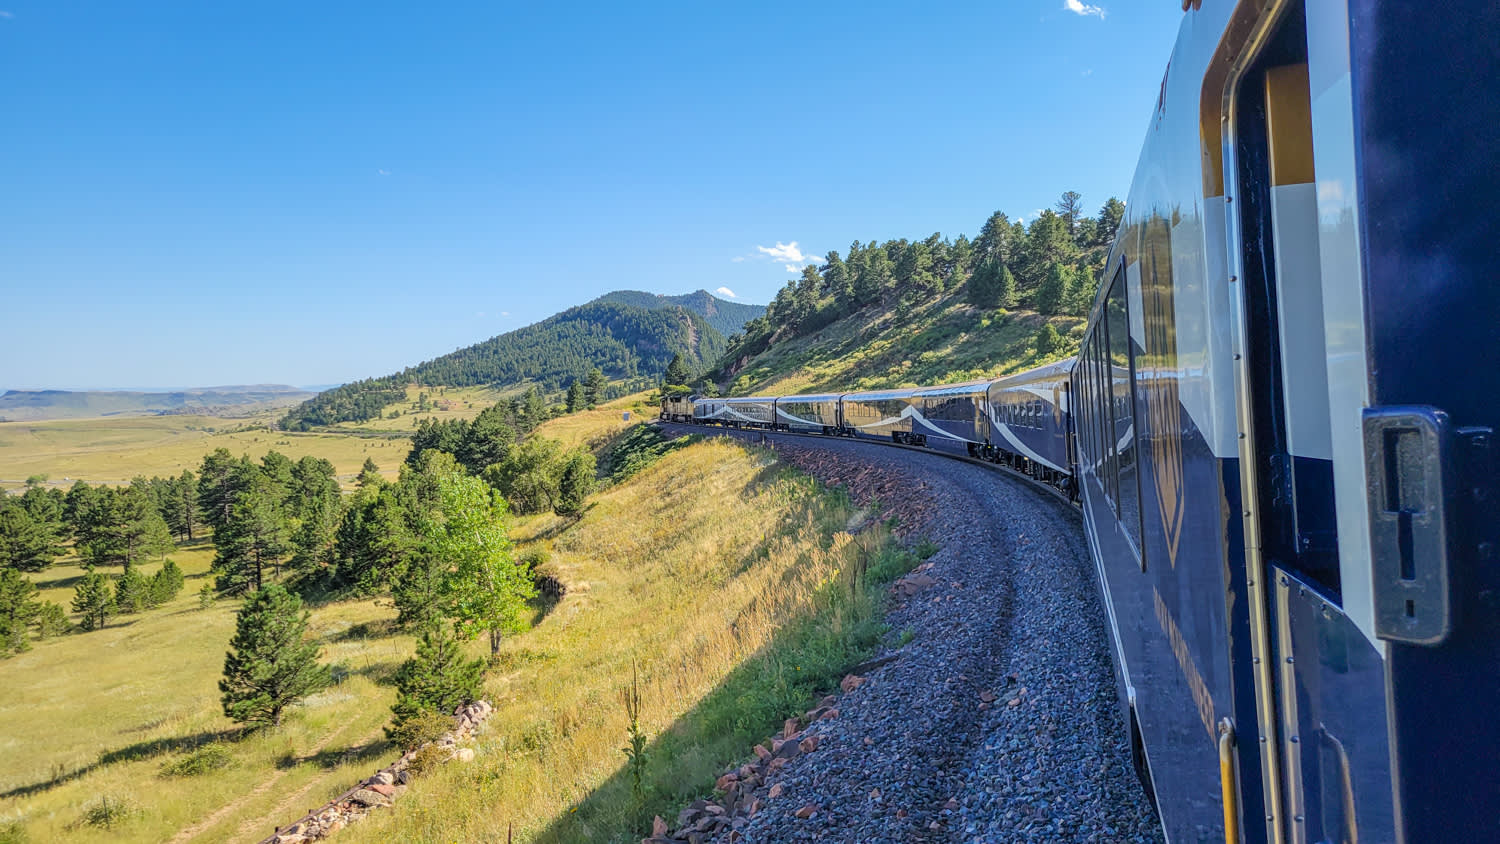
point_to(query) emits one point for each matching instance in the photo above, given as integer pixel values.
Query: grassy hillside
(97, 716)
(942, 341)
(624, 341)
(712, 538)
(34, 405)
(728, 317)
(723, 580)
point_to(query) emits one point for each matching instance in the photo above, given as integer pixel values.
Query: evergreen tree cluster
(1051, 264)
(268, 516)
(623, 341)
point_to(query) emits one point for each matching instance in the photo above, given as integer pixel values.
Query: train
(1279, 428)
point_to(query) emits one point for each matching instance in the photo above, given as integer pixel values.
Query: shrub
(132, 592)
(204, 760)
(426, 760)
(435, 681)
(166, 583)
(51, 620)
(420, 728)
(1048, 340)
(12, 832)
(107, 812)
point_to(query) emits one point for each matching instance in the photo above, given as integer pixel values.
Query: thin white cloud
(479, 313)
(5, 14)
(726, 293)
(1078, 7)
(505, 313)
(383, 172)
(788, 255)
(738, 259)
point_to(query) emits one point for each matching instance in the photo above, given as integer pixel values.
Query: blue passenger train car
(819, 414)
(1282, 436)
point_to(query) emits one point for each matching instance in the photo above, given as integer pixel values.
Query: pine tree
(18, 608)
(132, 592)
(578, 476)
(593, 387)
(1048, 340)
(576, 399)
(315, 505)
(252, 539)
(94, 599)
(438, 679)
(1053, 296)
(26, 543)
(677, 373)
(369, 475)
(270, 666)
(839, 281)
(166, 583)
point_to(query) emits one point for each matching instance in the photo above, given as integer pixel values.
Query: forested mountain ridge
(728, 317)
(930, 311)
(622, 340)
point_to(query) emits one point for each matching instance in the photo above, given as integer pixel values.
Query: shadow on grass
(130, 753)
(330, 758)
(380, 628)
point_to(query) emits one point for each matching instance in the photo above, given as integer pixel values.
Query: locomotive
(1279, 428)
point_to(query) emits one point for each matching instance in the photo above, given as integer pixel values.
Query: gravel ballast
(998, 720)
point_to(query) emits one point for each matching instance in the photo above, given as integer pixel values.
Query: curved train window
(1121, 368)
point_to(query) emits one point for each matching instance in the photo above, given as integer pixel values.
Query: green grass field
(96, 716)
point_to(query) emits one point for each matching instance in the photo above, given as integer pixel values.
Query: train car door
(1425, 167)
(1320, 674)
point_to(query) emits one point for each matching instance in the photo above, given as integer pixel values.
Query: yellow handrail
(1227, 784)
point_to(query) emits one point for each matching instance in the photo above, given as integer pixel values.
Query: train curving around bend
(1279, 427)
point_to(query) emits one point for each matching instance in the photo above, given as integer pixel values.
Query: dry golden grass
(694, 572)
(445, 403)
(114, 450)
(593, 427)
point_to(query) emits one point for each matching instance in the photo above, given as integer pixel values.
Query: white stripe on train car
(1018, 446)
(1299, 302)
(1343, 298)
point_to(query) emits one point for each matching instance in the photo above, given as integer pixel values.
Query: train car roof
(812, 397)
(747, 399)
(964, 389)
(880, 395)
(1046, 372)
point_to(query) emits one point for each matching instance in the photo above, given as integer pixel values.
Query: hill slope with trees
(930, 311)
(728, 317)
(622, 340)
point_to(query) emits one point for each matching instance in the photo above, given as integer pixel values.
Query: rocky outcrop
(386, 785)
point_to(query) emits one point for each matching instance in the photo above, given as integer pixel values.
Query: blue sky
(210, 193)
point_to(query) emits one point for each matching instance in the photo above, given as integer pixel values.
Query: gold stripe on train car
(1289, 125)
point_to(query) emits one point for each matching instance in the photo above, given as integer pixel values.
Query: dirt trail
(233, 806)
(291, 801)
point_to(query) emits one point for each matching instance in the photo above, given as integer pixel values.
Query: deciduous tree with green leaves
(271, 665)
(484, 590)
